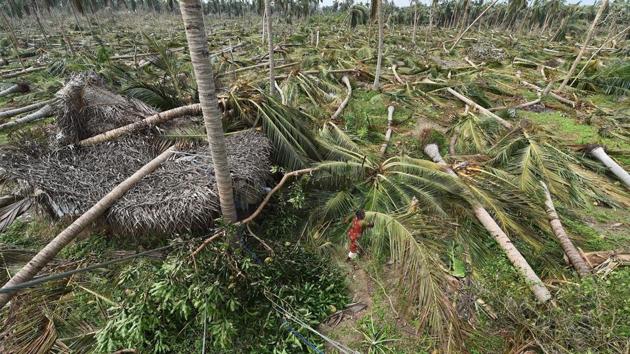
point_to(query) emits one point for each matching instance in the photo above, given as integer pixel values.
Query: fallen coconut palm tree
(388, 133)
(49, 252)
(31, 107)
(520, 263)
(19, 87)
(570, 250)
(600, 154)
(44, 112)
(345, 101)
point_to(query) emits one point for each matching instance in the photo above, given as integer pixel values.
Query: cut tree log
(472, 103)
(567, 245)
(388, 134)
(345, 101)
(49, 251)
(45, 111)
(396, 74)
(516, 258)
(599, 153)
(147, 122)
(14, 112)
(20, 87)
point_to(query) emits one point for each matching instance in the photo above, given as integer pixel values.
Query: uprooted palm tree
(393, 190)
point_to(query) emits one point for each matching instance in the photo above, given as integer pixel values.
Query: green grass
(575, 133)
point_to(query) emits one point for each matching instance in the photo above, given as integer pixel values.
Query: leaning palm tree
(192, 14)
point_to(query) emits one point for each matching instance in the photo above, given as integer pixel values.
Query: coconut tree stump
(66, 236)
(516, 258)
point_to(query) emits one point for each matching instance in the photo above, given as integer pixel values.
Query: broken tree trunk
(565, 242)
(147, 122)
(14, 112)
(68, 234)
(13, 74)
(21, 87)
(459, 37)
(345, 101)
(587, 40)
(599, 153)
(472, 103)
(388, 134)
(516, 258)
(43, 112)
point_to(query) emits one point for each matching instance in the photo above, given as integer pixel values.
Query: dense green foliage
(166, 305)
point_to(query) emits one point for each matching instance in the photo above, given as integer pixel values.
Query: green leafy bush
(166, 305)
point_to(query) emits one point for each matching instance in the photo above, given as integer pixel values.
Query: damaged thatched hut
(65, 179)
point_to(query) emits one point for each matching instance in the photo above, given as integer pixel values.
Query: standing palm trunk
(200, 57)
(565, 242)
(69, 233)
(512, 253)
(379, 59)
(272, 80)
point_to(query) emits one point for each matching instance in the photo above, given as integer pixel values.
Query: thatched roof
(177, 197)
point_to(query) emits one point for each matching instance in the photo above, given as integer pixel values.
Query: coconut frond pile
(179, 196)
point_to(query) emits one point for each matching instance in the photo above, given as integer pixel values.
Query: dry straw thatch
(180, 196)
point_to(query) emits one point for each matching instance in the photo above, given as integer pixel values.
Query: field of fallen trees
(169, 185)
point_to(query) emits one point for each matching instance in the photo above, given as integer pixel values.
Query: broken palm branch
(345, 101)
(388, 133)
(567, 245)
(49, 252)
(516, 258)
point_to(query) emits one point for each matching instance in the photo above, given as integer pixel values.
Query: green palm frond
(157, 96)
(422, 275)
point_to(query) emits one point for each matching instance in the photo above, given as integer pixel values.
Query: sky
(406, 2)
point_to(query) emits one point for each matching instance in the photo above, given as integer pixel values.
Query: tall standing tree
(272, 79)
(192, 14)
(379, 60)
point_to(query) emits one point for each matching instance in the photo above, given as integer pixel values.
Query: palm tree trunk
(43, 112)
(66, 236)
(272, 80)
(20, 87)
(587, 40)
(344, 103)
(599, 153)
(565, 242)
(516, 258)
(14, 112)
(147, 122)
(459, 37)
(415, 21)
(200, 57)
(379, 59)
